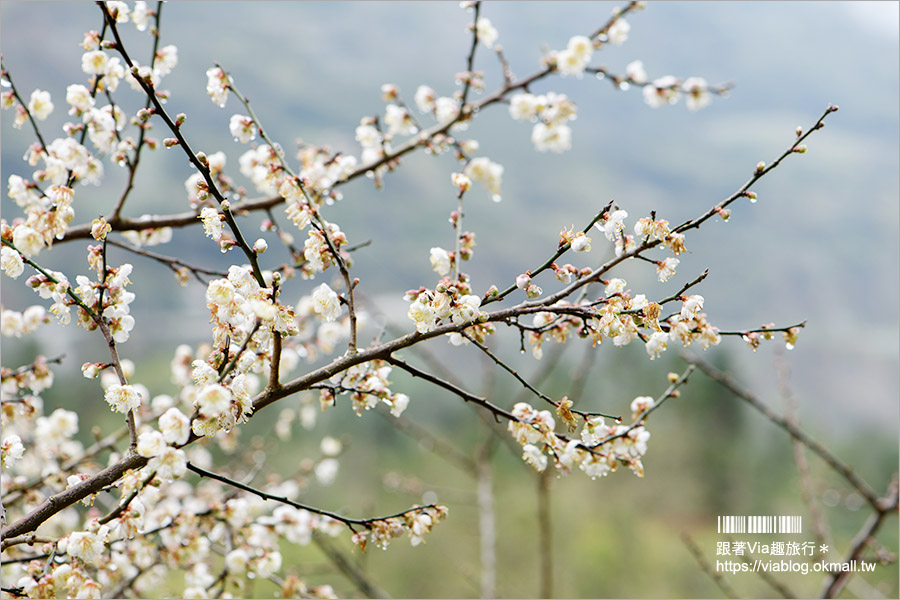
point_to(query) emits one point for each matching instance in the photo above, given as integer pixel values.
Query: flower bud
(169, 142)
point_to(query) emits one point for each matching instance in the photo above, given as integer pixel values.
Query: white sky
(881, 16)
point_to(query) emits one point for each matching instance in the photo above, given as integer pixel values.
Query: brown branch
(67, 498)
(192, 157)
(717, 577)
(468, 397)
(345, 566)
(806, 488)
(168, 260)
(325, 513)
(842, 468)
(885, 506)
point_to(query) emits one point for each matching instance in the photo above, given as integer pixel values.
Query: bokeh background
(821, 245)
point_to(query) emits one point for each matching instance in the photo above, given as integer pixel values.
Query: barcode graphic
(761, 524)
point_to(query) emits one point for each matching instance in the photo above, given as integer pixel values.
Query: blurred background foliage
(820, 245)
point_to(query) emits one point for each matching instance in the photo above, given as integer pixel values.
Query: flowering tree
(263, 349)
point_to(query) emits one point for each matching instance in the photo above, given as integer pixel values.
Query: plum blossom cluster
(416, 523)
(599, 451)
(669, 89)
(451, 302)
(549, 112)
(16, 324)
(621, 317)
(368, 385)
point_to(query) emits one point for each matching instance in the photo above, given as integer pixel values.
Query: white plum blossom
(40, 104)
(445, 109)
(85, 546)
(166, 60)
(169, 464)
(697, 93)
(141, 15)
(398, 404)
(576, 56)
(28, 241)
(326, 471)
(553, 138)
(641, 404)
(467, 310)
(635, 72)
(581, 243)
(58, 427)
(421, 312)
(662, 91)
(615, 285)
(691, 306)
(534, 457)
(175, 426)
(122, 398)
(487, 33)
(11, 262)
(440, 260)
(216, 86)
(150, 444)
(614, 225)
(326, 302)
(95, 62)
(213, 400)
(425, 98)
(242, 128)
(618, 33)
(657, 344)
(398, 121)
(213, 223)
(666, 268)
(11, 450)
(486, 172)
(523, 106)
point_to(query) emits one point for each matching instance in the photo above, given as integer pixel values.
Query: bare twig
(842, 468)
(717, 577)
(325, 513)
(885, 506)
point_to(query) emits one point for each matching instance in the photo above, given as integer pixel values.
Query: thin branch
(192, 157)
(468, 397)
(806, 488)
(527, 385)
(671, 392)
(546, 265)
(767, 577)
(23, 105)
(30, 539)
(325, 513)
(842, 468)
(345, 566)
(439, 446)
(717, 577)
(887, 505)
(169, 261)
(470, 59)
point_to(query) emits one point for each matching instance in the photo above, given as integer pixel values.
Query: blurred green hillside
(821, 245)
